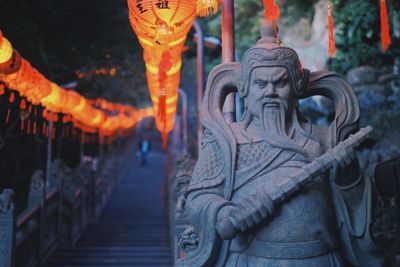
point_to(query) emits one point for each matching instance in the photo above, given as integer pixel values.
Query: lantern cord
(331, 34)
(386, 41)
(8, 116)
(44, 129)
(164, 136)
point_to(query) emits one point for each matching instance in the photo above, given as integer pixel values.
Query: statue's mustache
(271, 102)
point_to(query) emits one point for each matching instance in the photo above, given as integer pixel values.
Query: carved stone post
(36, 198)
(7, 222)
(36, 191)
(56, 174)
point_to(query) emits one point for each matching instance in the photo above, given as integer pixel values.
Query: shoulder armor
(210, 165)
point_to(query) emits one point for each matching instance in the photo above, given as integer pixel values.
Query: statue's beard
(273, 119)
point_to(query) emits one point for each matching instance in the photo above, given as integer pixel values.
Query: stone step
(105, 249)
(97, 264)
(150, 261)
(121, 244)
(132, 231)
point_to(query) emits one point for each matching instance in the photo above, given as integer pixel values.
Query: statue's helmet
(268, 52)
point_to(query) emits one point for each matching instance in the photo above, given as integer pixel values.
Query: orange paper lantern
(162, 27)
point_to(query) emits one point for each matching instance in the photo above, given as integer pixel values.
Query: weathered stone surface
(260, 194)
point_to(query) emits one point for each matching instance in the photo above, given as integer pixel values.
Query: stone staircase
(133, 229)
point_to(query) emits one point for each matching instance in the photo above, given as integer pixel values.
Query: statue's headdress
(268, 52)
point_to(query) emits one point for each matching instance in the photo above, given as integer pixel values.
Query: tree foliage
(358, 34)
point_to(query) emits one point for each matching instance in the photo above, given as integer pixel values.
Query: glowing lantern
(5, 50)
(12, 64)
(162, 27)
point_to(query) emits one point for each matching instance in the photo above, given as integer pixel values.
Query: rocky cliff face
(310, 39)
(378, 92)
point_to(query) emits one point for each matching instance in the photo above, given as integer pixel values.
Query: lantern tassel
(386, 41)
(206, 7)
(28, 127)
(331, 40)
(12, 98)
(272, 11)
(34, 127)
(22, 124)
(162, 106)
(22, 104)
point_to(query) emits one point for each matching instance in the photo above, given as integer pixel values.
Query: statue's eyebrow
(280, 76)
(271, 78)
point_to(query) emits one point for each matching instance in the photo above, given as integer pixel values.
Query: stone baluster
(7, 222)
(36, 190)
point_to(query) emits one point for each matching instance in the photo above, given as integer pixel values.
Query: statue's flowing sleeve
(354, 211)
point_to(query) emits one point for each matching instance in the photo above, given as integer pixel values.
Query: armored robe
(325, 224)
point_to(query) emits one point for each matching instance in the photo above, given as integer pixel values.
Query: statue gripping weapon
(273, 189)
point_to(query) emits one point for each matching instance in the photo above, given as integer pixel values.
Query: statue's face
(269, 87)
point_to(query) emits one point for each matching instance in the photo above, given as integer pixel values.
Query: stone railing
(57, 216)
(179, 179)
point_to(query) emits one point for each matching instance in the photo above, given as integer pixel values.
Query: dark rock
(362, 75)
(385, 78)
(395, 99)
(370, 98)
(369, 87)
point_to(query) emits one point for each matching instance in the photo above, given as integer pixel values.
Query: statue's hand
(347, 166)
(344, 156)
(225, 227)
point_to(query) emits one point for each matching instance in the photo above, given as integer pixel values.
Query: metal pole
(49, 150)
(82, 146)
(228, 52)
(200, 77)
(101, 152)
(184, 121)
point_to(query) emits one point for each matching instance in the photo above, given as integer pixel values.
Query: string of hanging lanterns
(161, 27)
(90, 116)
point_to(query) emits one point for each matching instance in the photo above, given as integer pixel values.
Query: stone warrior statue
(273, 189)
